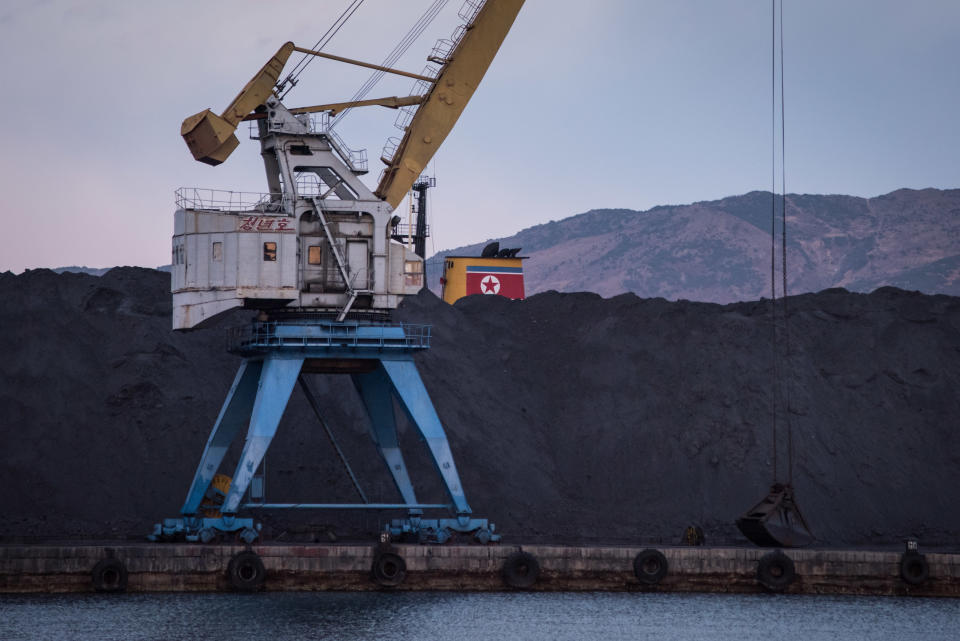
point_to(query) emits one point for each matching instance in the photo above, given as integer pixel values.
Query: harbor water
(440, 616)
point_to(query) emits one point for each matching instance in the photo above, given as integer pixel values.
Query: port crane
(316, 256)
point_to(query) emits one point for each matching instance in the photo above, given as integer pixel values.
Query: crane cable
(777, 392)
(282, 89)
(783, 251)
(408, 39)
(779, 386)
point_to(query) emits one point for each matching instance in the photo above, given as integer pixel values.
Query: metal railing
(310, 185)
(419, 88)
(470, 9)
(356, 159)
(319, 123)
(200, 198)
(407, 230)
(389, 149)
(322, 334)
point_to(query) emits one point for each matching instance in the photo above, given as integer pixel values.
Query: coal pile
(572, 418)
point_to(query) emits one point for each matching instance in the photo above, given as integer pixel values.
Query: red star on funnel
(490, 285)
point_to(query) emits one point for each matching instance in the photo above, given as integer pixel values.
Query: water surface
(441, 616)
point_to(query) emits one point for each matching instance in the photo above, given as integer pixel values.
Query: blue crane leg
(376, 393)
(234, 414)
(277, 379)
(416, 401)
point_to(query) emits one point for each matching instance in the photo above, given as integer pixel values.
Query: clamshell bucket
(776, 521)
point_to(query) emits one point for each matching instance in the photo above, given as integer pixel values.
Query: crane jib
(453, 88)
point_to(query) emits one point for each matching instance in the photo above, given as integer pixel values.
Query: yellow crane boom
(211, 138)
(443, 104)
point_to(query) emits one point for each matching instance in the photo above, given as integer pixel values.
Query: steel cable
(408, 39)
(321, 43)
(783, 251)
(773, 228)
(781, 388)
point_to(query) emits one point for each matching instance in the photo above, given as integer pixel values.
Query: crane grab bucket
(776, 520)
(210, 137)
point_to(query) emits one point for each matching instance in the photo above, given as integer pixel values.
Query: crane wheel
(914, 568)
(650, 566)
(521, 570)
(775, 571)
(246, 572)
(389, 569)
(109, 575)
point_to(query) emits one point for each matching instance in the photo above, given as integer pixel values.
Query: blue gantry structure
(379, 358)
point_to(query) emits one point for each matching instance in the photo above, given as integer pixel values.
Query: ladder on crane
(342, 266)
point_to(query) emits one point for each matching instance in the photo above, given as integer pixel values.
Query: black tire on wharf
(650, 566)
(389, 569)
(109, 575)
(776, 572)
(521, 570)
(914, 568)
(246, 572)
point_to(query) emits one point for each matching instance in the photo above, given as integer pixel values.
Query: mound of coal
(571, 417)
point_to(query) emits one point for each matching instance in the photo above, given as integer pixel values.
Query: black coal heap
(572, 418)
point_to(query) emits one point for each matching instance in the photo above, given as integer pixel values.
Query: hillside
(719, 251)
(571, 417)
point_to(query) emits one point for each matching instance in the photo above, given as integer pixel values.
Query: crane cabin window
(413, 272)
(270, 252)
(315, 255)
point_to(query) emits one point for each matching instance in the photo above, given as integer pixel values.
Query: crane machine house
(320, 239)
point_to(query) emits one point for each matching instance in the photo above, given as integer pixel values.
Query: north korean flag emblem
(495, 280)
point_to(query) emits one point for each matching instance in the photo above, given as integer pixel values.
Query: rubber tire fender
(389, 569)
(650, 566)
(776, 571)
(914, 568)
(246, 572)
(109, 575)
(521, 570)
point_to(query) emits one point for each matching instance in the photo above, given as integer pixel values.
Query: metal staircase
(352, 293)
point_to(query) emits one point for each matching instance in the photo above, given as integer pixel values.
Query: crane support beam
(393, 102)
(368, 65)
(451, 91)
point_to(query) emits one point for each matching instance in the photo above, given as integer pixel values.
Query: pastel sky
(610, 103)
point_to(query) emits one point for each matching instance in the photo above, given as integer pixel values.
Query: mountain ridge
(719, 250)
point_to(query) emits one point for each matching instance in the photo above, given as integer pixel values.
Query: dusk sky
(603, 104)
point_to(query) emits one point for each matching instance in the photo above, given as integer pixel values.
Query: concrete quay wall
(195, 567)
